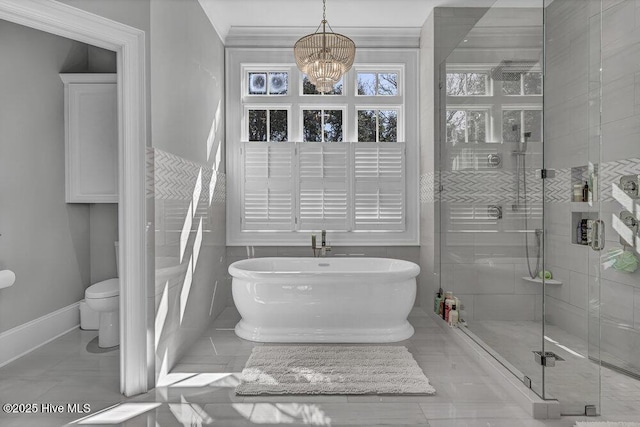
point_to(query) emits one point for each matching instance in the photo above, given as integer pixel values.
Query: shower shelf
(584, 207)
(539, 280)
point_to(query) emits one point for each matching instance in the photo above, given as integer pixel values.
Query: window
(319, 125)
(492, 108)
(466, 125)
(378, 125)
(377, 84)
(516, 123)
(271, 83)
(518, 83)
(468, 84)
(300, 161)
(309, 89)
(267, 125)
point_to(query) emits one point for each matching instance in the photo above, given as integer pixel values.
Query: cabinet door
(92, 143)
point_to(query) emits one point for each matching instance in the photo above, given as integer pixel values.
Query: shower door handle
(597, 239)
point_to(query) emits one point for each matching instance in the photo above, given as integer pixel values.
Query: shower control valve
(494, 211)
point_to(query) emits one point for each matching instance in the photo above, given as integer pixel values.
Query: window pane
(476, 84)
(456, 125)
(278, 125)
(533, 124)
(477, 123)
(257, 125)
(366, 83)
(511, 84)
(367, 126)
(333, 125)
(533, 84)
(278, 83)
(312, 125)
(511, 126)
(388, 126)
(455, 84)
(309, 88)
(257, 83)
(388, 84)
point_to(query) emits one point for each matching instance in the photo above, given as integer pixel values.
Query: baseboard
(18, 341)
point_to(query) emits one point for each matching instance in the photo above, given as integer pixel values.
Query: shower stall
(536, 174)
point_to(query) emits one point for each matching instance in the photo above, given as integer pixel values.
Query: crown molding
(387, 37)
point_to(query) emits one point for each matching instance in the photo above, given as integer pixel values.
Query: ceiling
(227, 14)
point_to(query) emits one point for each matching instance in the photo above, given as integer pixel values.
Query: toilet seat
(105, 289)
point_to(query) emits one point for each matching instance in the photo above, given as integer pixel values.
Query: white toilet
(104, 297)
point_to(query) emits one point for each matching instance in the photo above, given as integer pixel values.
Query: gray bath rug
(606, 424)
(332, 369)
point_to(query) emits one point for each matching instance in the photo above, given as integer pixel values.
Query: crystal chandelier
(324, 56)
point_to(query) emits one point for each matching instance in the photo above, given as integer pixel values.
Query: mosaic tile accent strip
(149, 179)
(486, 186)
(427, 188)
(176, 178)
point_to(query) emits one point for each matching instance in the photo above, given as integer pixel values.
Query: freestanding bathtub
(334, 300)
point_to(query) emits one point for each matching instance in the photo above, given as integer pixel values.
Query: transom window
(377, 84)
(268, 83)
(522, 84)
(468, 84)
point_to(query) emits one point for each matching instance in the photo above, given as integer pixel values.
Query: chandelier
(324, 56)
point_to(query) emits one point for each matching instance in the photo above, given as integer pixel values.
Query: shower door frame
(136, 362)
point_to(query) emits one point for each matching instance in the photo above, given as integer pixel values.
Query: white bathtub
(355, 300)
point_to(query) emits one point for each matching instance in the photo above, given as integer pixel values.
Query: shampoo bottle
(454, 316)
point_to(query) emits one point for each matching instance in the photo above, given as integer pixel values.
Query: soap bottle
(436, 303)
(454, 316)
(442, 310)
(450, 302)
(585, 192)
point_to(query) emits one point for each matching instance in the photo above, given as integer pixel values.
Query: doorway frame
(129, 44)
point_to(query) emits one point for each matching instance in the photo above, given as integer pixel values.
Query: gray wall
(187, 60)
(56, 249)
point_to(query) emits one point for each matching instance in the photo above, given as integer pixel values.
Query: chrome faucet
(322, 250)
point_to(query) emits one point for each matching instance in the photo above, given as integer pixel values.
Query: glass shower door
(574, 228)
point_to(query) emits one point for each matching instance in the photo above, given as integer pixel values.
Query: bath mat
(332, 369)
(606, 424)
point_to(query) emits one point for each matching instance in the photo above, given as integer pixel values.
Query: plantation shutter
(379, 175)
(268, 195)
(324, 184)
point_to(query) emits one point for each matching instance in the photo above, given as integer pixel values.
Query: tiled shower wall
(480, 258)
(576, 35)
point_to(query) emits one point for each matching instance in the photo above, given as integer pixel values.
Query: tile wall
(575, 135)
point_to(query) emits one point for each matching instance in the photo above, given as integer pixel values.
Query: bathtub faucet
(324, 249)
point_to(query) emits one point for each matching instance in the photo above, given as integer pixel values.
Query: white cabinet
(91, 137)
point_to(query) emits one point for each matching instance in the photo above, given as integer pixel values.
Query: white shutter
(268, 198)
(379, 174)
(323, 177)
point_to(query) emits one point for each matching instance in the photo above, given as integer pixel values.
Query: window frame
(268, 107)
(322, 107)
(240, 60)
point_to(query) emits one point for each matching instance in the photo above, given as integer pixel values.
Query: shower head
(510, 70)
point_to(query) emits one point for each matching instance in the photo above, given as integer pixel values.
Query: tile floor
(574, 381)
(200, 390)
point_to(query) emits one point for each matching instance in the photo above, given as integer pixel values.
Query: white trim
(129, 44)
(363, 37)
(23, 339)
